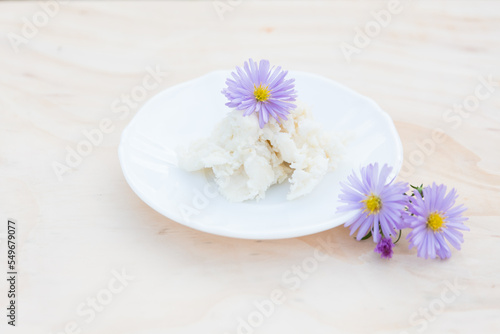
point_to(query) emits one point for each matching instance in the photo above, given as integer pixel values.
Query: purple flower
(261, 89)
(378, 204)
(433, 220)
(384, 247)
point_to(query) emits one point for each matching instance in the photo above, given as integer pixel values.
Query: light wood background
(74, 232)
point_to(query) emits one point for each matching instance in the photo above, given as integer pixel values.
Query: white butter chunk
(246, 160)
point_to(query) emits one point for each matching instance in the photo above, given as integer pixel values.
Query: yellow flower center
(261, 93)
(435, 221)
(373, 204)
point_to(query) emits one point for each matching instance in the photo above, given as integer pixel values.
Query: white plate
(190, 110)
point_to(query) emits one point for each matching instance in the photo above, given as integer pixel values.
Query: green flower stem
(420, 189)
(399, 237)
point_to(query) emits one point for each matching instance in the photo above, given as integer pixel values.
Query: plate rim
(271, 235)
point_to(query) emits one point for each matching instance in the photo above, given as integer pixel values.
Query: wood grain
(74, 232)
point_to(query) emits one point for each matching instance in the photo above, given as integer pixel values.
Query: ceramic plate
(190, 110)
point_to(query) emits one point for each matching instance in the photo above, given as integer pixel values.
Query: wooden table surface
(93, 258)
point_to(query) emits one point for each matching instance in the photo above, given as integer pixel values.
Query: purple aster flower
(384, 247)
(434, 220)
(261, 89)
(378, 204)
